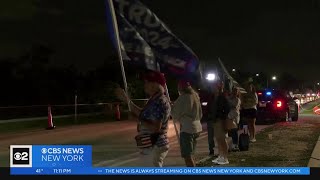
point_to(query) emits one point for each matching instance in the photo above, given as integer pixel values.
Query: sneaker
(253, 140)
(216, 159)
(235, 148)
(222, 161)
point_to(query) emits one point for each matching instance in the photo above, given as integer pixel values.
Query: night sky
(271, 36)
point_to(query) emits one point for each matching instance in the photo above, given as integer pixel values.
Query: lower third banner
(162, 171)
(77, 160)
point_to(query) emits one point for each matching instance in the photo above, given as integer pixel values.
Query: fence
(27, 113)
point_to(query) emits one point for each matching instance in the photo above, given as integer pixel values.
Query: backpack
(244, 140)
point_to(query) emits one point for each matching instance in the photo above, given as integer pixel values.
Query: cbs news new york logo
(21, 156)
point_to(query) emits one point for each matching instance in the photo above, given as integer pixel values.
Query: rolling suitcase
(244, 140)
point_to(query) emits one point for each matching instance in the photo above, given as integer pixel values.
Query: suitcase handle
(245, 129)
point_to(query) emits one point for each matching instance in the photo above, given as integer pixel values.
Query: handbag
(146, 140)
(143, 141)
(231, 124)
(233, 114)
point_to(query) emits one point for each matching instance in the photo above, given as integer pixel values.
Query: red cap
(154, 76)
(182, 84)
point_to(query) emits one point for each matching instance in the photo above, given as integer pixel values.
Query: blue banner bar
(164, 171)
(54, 156)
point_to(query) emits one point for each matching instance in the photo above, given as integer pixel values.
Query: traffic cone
(50, 121)
(117, 112)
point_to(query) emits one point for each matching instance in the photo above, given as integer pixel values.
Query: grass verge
(308, 111)
(291, 145)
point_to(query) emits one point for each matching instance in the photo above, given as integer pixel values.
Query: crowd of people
(222, 118)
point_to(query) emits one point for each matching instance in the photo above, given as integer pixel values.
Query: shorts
(188, 143)
(249, 113)
(219, 130)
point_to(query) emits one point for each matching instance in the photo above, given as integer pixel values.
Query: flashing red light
(279, 104)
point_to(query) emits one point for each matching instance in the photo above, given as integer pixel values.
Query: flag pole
(174, 124)
(115, 27)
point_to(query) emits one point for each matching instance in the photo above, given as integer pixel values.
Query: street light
(211, 77)
(273, 78)
(318, 84)
(233, 70)
(257, 75)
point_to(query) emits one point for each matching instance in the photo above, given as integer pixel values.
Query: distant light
(268, 93)
(308, 94)
(204, 103)
(313, 94)
(318, 84)
(233, 70)
(259, 93)
(211, 77)
(257, 75)
(274, 78)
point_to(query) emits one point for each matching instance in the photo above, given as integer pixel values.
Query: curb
(315, 156)
(314, 160)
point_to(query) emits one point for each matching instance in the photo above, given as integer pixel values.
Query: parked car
(275, 106)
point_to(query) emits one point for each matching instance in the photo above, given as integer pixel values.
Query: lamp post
(274, 78)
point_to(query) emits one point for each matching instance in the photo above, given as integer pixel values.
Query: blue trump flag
(145, 40)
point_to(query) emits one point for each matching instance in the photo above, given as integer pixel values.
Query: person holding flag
(132, 24)
(153, 118)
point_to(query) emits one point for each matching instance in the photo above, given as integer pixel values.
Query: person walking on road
(153, 119)
(187, 111)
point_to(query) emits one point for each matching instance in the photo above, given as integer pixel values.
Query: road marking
(121, 161)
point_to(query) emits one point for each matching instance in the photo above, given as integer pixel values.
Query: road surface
(112, 142)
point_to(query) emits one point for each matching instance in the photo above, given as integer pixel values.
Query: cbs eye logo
(21, 156)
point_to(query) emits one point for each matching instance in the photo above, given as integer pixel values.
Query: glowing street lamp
(257, 75)
(273, 79)
(211, 77)
(233, 70)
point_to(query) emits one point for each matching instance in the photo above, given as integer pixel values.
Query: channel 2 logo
(21, 156)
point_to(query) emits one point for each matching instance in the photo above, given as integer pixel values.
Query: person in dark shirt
(218, 113)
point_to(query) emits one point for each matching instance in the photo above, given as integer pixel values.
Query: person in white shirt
(187, 111)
